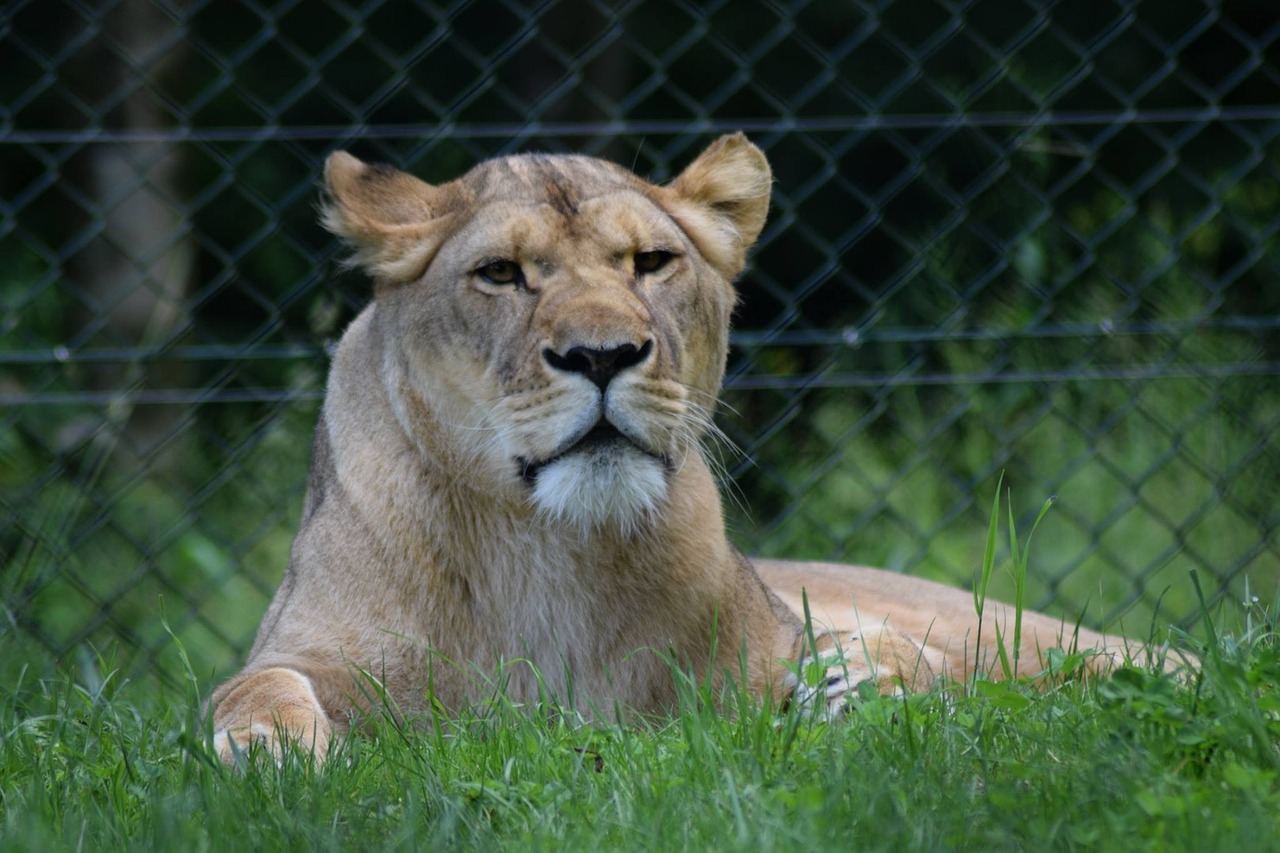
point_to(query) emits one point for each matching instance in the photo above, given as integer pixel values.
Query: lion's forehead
(563, 181)
(536, 204)
(603, 228)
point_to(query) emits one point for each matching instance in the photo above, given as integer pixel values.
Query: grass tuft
(1142, 759)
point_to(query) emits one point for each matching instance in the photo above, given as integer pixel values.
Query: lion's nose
(599, 365)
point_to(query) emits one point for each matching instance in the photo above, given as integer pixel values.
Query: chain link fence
(1029, 237)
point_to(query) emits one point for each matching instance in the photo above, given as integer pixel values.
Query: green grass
(1139, 760)
(1142, 760)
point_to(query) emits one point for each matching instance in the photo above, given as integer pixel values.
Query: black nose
(598, 365)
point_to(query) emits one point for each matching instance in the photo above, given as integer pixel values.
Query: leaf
(1247, 778)
(1002, 695)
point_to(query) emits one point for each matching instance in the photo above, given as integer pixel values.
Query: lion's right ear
(394, 221)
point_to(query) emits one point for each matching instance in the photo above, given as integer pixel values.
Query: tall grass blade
(988, 564)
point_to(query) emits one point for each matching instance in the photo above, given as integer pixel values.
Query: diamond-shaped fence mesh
(1030, 237)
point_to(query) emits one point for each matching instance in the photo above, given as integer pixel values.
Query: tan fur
(455, 532)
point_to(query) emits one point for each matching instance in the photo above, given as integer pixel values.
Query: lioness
(508, 467)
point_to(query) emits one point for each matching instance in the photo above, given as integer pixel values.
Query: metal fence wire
(1033, 237)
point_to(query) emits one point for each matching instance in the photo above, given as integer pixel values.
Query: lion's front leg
(269, 707)
(827, 682)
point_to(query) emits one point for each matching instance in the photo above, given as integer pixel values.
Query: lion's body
(856, 600)
(508, 467)
(447, 576)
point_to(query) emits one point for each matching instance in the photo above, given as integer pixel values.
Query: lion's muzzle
(599, 364)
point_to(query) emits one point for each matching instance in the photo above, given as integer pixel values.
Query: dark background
(1029, 237)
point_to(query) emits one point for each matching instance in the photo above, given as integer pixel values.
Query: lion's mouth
(601, 435)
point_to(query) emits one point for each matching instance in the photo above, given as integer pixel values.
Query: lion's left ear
(394, 221)
(722, 199)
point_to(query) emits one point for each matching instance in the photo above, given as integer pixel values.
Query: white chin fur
(592, 489)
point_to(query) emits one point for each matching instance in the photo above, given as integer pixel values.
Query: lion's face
(562, 323)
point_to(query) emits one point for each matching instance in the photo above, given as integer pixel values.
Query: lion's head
(555, 326)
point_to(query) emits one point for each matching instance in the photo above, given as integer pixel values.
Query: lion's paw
(228, 743)
(268, 712)
(826, 685)
(881, 661)
(235, 745)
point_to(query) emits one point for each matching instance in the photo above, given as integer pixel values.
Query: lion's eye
(501, 272)
(647, 262)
